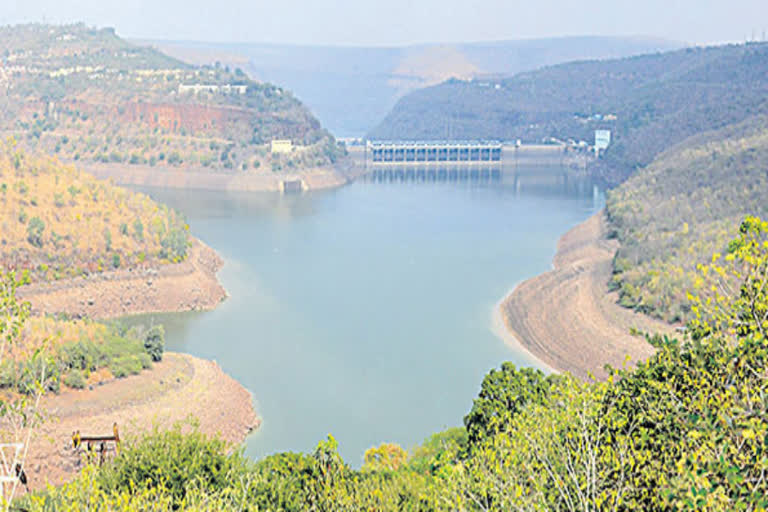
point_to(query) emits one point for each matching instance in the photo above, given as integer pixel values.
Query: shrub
(35, 230)
(145, 360)
(124, 366)
(172, 461)
(154, 342)
(174, 244)
(75, 379)
(138, 230)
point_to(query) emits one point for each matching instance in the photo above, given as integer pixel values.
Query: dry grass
(83, 225)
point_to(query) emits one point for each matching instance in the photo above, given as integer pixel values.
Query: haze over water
(365, 312)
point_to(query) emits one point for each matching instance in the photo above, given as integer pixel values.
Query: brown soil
(568, 319)
(206, 179)
(179, 387)
(187, 286)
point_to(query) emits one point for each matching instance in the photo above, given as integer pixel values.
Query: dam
(491, 158)
(466, 161)
(435, 152)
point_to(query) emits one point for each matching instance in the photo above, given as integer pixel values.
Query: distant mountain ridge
(351, 89)
(650, 102)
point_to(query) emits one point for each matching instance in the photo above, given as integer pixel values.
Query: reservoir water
(366, 311)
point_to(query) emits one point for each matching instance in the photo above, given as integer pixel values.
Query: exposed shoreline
(177, 389)
(174, 390)
(567, 318)
(188, 286)
(206, 179)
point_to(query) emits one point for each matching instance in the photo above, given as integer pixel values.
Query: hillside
(650, 102)
(683, 208)
(87, 95)
(60, 222)
(351, 89)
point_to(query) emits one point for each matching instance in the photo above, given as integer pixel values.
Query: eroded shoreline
(202, 179)
(177, 389)
(567, 319)
(188, 286)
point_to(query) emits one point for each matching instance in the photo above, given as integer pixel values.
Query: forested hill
(651, 102)
(87, 95)
(683, 208)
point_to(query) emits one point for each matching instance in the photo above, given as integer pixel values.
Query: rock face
(174, 118)
(187, 286)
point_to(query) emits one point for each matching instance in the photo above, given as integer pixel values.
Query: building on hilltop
(220, 89)
(281, 146)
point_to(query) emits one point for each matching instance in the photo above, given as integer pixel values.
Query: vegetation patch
(683, 208)
(77, 225)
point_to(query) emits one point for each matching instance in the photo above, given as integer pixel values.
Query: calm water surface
(365, 312)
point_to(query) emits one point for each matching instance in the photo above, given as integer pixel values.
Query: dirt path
(179, 387)
(568, 319)
(190, 285)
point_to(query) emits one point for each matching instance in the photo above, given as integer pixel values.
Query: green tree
(138, 230)
(154, 342)
(35, 230)
(503, 394)
(174, 462)
(385, 457)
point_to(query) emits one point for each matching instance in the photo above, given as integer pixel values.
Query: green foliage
(174, 462)
(154, 342)
(35, 230)
(75, 379)
(440, 450)
(684, 207)
(13, 313)
(503, 394)
(123, 366)
(122, 352)
(735, 311)
(175, 244)
(138, 229)
(385, 457)
(107, 239)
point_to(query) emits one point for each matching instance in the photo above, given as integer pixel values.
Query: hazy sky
(379, 22)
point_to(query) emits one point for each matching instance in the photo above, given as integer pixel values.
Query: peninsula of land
(187, 286)
(567, 318)
(177, 389)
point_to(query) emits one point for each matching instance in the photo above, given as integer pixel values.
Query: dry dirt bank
(121, 174)
(179, 387)
(190, 285)
(567, 318)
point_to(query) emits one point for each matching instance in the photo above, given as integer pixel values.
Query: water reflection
(539, 180)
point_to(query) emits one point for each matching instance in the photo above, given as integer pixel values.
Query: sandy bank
(178, 387)
(187, 286)
(142, 175)
(567, 318)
